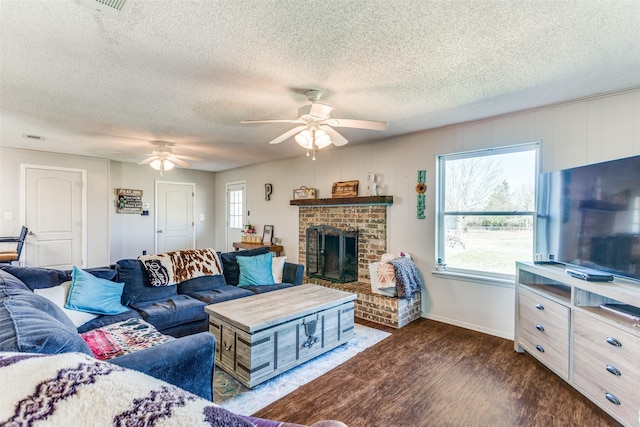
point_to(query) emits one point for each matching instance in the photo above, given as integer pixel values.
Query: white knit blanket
(73, 389)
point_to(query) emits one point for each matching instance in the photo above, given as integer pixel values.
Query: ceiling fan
(315, 130)
(163, 159)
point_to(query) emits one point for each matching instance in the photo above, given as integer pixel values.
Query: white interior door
(54, 213)
(236, 212)
(175, 223)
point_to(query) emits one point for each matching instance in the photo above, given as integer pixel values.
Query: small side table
(273, 248)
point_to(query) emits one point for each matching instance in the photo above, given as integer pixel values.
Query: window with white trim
(485, 209)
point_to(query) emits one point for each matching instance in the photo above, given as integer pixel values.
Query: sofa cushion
(136, 284)
(32, 323)
(224, 293)
(94, 295)
(277, 268)
(203, 283)
(38, 277)
(58, 295)
(255, 270)
(172, 311)
(267, 288)
(231, 270)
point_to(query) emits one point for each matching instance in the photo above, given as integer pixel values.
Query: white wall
(571, 134)
(111, 236)
(11, 161)
(132, 234)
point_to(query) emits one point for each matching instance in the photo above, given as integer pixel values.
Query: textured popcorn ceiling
(188, 72)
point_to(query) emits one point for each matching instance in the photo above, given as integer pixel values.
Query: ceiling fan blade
(272, 121)
(178, 161)
(359, 124)
(287, 134)
(336, 138)
(148, 160)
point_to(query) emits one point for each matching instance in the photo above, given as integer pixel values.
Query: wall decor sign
(304, 193)
(421, 188)
(128, 201)
(344, 189)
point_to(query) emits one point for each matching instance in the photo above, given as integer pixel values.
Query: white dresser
(559, 321)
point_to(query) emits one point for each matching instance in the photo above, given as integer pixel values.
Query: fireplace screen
(332, 253)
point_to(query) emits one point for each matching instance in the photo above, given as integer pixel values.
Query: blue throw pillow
(94, 295)
(255, 270)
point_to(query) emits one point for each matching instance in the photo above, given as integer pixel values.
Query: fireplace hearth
(332, 253)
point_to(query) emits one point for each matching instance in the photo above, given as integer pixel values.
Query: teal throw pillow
(255, 270)
(94, 295)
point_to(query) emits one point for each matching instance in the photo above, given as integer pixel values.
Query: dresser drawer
(544, 330)
(608, 373)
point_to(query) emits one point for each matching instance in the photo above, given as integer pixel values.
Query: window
(485, 209)
(235, 202)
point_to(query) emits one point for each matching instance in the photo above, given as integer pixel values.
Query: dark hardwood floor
(433, 374)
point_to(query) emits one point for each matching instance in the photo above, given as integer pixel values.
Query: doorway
(175, 222)
(236, 212)
(55, 213)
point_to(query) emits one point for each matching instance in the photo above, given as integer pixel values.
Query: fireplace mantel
(333, 201)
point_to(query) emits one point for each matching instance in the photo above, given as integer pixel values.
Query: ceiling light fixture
(162, 165)
(164, 160)
(313, 139)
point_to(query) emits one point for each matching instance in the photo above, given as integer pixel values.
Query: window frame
(441, 213)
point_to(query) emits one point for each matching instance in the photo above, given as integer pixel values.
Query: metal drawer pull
(614, 342)
(227, 347)
(540, 306)
(613, 370)
(540, 327)
(540, 348)
(611, 398)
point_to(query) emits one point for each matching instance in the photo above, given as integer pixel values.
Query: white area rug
(235, 397)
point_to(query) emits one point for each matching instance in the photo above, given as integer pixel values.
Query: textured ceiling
(188, 72)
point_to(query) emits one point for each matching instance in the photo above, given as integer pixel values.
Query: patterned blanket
(407, 278)
(170, 268)
(122, 338)
(73, 389)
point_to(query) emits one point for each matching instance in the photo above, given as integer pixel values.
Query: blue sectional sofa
(31, 323)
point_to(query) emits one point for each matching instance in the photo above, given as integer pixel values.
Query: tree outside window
(486, 205)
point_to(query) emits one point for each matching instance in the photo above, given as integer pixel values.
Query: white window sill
(476, 278)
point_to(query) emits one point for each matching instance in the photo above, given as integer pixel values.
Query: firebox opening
(332, 254)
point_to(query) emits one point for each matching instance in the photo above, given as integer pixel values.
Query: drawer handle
(540, 327)
(614, 342)
(540, 348)
(540, 306)
(613, 370)
(227, 347)
(611, 398)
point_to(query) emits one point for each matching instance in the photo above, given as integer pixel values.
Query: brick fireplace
(368, 215)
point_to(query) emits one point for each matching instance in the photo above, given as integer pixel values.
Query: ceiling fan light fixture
(160, 164)
(306, 139)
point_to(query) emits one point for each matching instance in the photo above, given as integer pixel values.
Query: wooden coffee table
(261, 336)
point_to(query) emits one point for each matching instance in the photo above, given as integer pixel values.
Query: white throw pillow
(277, 268)
(58, 295)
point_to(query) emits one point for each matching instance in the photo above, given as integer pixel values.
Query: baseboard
(471, 326)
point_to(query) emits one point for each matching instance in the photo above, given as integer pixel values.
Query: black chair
(7, 257)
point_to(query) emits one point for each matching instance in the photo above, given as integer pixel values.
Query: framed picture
(304, 193)
(267, 234)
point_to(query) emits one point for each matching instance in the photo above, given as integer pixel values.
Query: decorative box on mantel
(365, 200)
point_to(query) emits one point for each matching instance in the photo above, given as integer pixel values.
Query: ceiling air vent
(107, 7)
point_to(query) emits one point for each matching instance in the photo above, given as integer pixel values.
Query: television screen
(590, 216)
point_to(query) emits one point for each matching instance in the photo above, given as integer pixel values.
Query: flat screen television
(589, 216)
